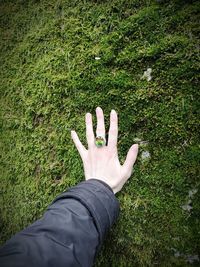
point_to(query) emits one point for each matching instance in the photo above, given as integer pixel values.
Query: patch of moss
(61, 59)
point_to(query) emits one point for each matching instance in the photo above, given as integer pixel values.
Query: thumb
(130, 160)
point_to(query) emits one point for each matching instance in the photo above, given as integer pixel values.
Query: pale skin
(103, 163)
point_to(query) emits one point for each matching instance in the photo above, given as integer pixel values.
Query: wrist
(104, 183)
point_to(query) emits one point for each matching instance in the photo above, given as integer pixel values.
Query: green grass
(50, 79)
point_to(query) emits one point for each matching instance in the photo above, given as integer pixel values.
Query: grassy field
(61, 59)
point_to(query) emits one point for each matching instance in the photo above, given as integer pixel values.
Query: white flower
(147, 74)
(145, 155)
(97, 58)
(177, 254)
(192, 192)
(186, 207)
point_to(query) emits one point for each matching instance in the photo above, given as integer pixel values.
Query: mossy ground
(50, 79)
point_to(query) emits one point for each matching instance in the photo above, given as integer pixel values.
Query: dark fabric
(70, 233)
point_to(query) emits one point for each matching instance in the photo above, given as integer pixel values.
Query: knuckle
(89, 136)
(100, 130)
(128, 174)
(114, 118)
(113, 131)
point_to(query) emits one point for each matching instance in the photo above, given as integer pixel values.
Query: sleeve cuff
(104, 183)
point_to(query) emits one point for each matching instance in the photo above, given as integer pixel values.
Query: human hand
(103, 163)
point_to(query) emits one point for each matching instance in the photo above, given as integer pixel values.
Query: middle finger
(100, 122)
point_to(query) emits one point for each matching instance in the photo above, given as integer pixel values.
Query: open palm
(103, 163)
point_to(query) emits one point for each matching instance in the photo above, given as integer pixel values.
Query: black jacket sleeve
(70, 233)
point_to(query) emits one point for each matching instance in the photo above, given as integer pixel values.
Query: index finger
(113, 130)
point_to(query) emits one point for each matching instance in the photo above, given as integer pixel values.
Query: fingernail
(112, 111)
(135, 146)
(87, 114)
